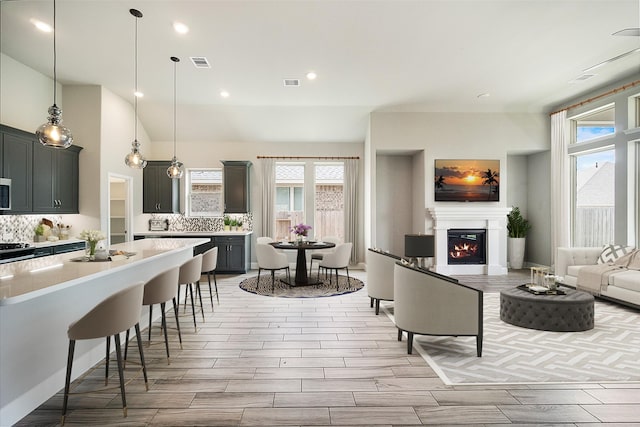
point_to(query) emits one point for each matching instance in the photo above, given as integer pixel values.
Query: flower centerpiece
(92, 237)
(300, 230)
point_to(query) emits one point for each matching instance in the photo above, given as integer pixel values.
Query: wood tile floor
(261, 361)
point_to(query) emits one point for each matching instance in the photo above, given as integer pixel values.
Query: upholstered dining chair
(158, 290)
(337, 260)
(190, 273)
(318, 254)
(269, 259)
(209, 264)
(115, 314)
(264, 240)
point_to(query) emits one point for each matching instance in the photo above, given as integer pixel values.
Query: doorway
(119, 209)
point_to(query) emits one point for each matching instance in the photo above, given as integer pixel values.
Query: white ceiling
(386, 55)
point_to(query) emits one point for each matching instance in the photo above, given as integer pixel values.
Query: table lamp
(419, 246)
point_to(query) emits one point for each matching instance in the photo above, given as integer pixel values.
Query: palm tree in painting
(440, 183)
(489, 178)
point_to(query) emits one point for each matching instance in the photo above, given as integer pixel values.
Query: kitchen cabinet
(59, 248)
(237, 186)
(234, 254)
(160, 194)
(16, 150)
(55, 179)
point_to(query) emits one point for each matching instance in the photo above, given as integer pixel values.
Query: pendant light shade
(54, 133)
(176, 170)
(135, 159)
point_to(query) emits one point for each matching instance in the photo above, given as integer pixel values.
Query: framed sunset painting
(467, 180)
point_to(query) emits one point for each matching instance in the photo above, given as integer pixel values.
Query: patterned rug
(608, 353)
(283, 290)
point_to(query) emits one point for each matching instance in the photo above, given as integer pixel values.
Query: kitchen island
(40, 297)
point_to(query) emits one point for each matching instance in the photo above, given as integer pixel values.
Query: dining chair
(209, 264)
(269, 259)
(337, 260)
(318, 254)
(263, 240)
(115, 314)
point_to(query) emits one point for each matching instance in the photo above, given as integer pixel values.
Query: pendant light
(135, 159)
(54, 133)
(176, 170)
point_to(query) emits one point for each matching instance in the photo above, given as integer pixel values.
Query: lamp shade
(419, 245)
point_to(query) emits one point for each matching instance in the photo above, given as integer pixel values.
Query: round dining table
(302, 278)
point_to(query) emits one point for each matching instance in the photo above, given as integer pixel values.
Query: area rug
(283, 290)
(512, 355)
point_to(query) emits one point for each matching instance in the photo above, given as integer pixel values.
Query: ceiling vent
(582, 78)
(291, 82)
(200, 62)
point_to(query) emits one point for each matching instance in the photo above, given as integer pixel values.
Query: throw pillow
(610, 253)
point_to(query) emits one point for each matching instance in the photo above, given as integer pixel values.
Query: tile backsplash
(179, 222)
(19, 228)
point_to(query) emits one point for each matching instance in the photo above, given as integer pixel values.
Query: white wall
(25, 95)
(447, 136)
(539, 208)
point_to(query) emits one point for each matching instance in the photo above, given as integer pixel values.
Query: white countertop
(193, 233)
(23, 280)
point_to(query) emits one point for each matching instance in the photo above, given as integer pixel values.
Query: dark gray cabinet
(234, 254)
(160, 194)
(43, 179)
(58, 249)
(16, 151)
(55, 179)
(237, 186)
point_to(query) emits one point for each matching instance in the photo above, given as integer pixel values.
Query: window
(593, 198)
(593, 124)
(329, 200)
(204, 192)
(289, 198)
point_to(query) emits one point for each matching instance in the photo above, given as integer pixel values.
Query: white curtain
(560, 193)
(268, 197)
(351, 206)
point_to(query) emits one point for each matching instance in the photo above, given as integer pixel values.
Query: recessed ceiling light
(180, 28)
(484, 95)
(224, 94)
(582, 78)
(42, 26)
(138, 94)
(610, 60)
(311, 75)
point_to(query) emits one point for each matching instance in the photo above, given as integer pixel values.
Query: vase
(299, 239)
(515, 250)
(90, 249)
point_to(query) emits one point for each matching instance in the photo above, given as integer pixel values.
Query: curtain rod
(308, 157)
(602, 95)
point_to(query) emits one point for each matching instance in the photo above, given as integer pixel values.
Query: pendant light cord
(55, 75)
(175, 66)
(135, 84)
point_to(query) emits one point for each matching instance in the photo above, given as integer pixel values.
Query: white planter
(515, 250)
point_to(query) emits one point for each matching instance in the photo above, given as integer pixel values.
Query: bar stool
(114, 315)
(209, 264)
(190, 273)
(159, 290)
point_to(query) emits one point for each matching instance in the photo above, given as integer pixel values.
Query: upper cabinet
(16, 150)
(237, 186)
(160, 194)
(43, 179)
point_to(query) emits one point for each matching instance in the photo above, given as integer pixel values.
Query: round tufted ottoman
(559, 313)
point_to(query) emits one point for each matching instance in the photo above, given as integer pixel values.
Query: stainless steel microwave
(5, 194)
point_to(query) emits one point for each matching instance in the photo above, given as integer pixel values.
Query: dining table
(301, 277)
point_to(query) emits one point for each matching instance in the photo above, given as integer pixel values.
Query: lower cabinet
(234, 254)
(58, 249)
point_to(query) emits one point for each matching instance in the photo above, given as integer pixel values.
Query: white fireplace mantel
(492, 219)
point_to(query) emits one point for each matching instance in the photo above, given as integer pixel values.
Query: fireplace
(470, 218)
(466, 246)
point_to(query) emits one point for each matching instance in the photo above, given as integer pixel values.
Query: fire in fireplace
(466, 246)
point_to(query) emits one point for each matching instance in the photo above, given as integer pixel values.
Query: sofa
(622, 286)
(428, 303)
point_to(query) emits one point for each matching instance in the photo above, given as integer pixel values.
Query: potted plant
(239, 225)
(234, 224)
(517, 227)
(227, 223)
(39, 231)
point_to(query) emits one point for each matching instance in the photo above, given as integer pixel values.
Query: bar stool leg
(193, 306)
(116, 337)
(210, 290)
(215, 283)
(199, 291)
(106, 367)
(175, 310)
(72, 346)
(144, 366)
(164, 326)
(150, 317)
